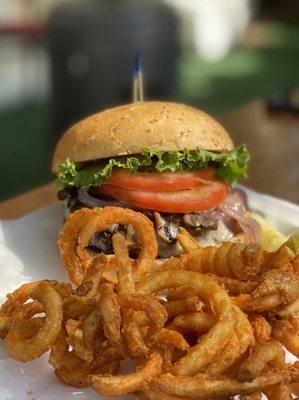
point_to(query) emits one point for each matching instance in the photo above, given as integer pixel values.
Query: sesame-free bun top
(127, 129)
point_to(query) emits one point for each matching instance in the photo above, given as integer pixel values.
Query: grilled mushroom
(167, 227)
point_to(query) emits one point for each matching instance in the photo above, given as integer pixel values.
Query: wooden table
(274, 169)
(28, 202)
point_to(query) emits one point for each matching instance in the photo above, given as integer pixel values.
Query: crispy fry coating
(287, 332)
(24, 348)
(261, 328)
(210, 324)
(109, 385)
(182, 306)
(236, 260)
(207, 289)
(205, 387)
(199, 322)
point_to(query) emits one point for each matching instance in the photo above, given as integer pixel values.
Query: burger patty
(209, 227)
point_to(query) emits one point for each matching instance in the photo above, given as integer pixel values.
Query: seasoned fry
(102, 218)
(200, 322)
(235, 286)
(240, 341)
(152, 307)
(287, 332)
(280, 392)
(204, 387)
(152, 394)
(12, 314)
(68, 241)
(176, 307)
(262, 354)
(71, 369)
(249, 304)
(179, 293)
(92, 331)
(236, 260)
(133, 337)
(108, 385)
(210, 324)
(126, 283)
(23, 348)
(110, 315)
(75, 337)
(280, 281)
(106, 356)
(277, 288)
(207, 289)
(169, 263)
(261, 328)
(187, 241)
(170, 338)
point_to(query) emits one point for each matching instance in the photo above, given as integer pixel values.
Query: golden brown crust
(126, 129)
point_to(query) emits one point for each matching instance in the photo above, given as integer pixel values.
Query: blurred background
(236, 59)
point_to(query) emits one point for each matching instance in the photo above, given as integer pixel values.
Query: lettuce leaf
(230, 166)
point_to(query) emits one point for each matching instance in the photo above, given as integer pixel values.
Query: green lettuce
(230, 166)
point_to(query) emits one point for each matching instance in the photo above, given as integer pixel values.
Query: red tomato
(205, 196)
(155, 181)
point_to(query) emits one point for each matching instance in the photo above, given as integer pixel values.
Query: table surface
(28, 202)
(273, 142)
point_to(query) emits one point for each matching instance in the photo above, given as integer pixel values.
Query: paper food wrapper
(28, 252)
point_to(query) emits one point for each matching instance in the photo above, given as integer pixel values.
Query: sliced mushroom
(199, 221)
(167, 227)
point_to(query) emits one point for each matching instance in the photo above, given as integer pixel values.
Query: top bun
(127, 129)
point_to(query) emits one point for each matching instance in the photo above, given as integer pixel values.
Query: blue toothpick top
(138, 63)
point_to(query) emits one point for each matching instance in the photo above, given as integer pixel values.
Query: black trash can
(92, 45)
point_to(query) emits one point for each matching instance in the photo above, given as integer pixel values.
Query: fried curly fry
(249, 304)
(152, 394)
(204, 387)
(200, 322)
(208, 290)
(83, 224)
(25, 349)
(67, 243)
(280, 392)
(262, 354)
(173, 339)
(239, 342)
(190, 337)
(278, 287)
(152, 307)
(108, 385)
(236, 260)
(179, 293)
(187, 241)
(110, 315)
(280, 281)
(287, 332)
(261, 327)
(92, 330)
(126, 283)
(75, 337)
(182, 306)
(235, 286)
(74, 371)
(12, 314)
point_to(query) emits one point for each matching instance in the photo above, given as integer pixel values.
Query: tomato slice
(205, 196)
(155, 181)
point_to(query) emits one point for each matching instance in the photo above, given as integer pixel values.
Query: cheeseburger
(172, 162)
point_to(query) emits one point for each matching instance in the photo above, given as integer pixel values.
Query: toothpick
(138, 94)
